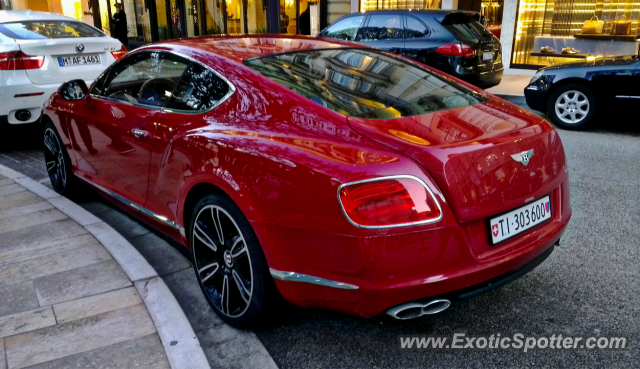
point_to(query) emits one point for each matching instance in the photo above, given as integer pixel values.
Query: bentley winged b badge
(523, 157)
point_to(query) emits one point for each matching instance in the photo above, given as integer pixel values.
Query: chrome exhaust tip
(411, 310)
(23, 115)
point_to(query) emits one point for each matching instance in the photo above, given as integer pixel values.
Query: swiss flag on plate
(494, 229)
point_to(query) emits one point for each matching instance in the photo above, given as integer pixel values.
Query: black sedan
(571, 94)
(449, 40)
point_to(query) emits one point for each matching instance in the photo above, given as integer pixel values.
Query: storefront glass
(555, 32)
(256, 16)
(214, 16)
(366, 5)
(163, 29)
(491, 11)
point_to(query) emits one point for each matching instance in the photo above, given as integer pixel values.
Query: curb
(178, 338)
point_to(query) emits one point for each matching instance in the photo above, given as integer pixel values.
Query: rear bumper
(484, 79)
(392, 270)
(12, 101)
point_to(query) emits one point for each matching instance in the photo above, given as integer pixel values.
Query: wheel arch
(568, 81)
(194, 194)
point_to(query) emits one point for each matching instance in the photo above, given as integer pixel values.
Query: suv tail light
(120, 53)
(389, 202)
(17, 60)
(456, 49)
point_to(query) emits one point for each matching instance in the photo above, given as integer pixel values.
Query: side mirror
(74, 90)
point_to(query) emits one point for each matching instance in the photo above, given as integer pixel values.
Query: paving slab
(10, 189)
(20, 198)
(80, 282)
(17, 252)
(7, 213)
(98, 304)
(41, 234)
(26, 321)
(3, 359)
(30, 220)
(17, 298)
(54, 263)
(143, 352)
(78, 336)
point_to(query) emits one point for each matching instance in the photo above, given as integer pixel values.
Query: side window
(345, 29)
(199, 89)
(383, 27)
(415, 28)
(146, 78)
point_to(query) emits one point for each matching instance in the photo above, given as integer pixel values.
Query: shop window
(551, 32)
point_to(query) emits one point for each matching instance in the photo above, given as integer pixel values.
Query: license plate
(519, 220)
(67, 61)
(487, 55)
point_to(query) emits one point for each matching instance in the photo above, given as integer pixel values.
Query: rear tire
(572, 107)
(229, 263)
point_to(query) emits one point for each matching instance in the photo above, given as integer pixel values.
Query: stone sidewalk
(68, 301)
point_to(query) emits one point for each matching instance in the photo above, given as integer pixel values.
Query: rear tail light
(456, 49)
(17, 60)
(120, 53)
(388, 202)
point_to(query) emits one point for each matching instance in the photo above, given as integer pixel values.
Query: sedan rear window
(35, 30)
(364, 83)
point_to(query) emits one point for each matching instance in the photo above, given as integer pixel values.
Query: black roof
(432, 11)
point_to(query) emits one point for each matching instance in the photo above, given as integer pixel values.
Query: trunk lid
(468, 152)
(52, 49)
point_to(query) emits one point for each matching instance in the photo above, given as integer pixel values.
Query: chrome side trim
(622, 97)
(634, 97)
(429, 221)
(303, 278)
(143, 210)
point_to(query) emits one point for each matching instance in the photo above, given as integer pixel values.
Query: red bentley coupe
(339, 176)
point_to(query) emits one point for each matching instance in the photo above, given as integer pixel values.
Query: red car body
(282, 157)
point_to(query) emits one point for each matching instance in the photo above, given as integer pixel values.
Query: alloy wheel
(572, 107)
(222, 261)
(54, 159)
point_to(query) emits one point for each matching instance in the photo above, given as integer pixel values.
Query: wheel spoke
(207, 267)
(224, 297)
(202, 233)
(244, 291)
(58, 179)
(573, 116)
(241, 249)
(48, 143)
(50, 166)
(215, 215)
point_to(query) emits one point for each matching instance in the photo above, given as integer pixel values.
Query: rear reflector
(456, 49)
(389, 202)
(120, 53)
(17, 60)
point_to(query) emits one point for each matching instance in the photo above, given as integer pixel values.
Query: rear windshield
(363, 82)
(35, 30)
(466, 28)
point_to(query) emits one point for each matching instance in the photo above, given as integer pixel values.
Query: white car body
(27, 90)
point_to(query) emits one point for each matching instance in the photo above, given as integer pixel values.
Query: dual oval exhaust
(412, 310)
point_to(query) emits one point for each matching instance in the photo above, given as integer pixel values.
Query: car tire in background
(572, 106)
(229, 263)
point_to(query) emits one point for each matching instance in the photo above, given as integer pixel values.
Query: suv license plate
(519, 220)
(487, 55)
(66, 61)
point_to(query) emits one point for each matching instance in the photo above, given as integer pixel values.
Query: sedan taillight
(120, 53)
(456, 49)
(17, 60)
(389, 202)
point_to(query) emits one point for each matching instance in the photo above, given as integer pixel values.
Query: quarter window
(346, 29)
(199, 89)
(415, 28)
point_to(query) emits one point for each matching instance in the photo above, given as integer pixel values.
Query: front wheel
(572, 106)
(57, 161)
(228, 261)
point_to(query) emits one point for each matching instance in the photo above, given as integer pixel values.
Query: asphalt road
(589, 286)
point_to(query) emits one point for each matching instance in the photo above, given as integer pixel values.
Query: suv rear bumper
(483, 79)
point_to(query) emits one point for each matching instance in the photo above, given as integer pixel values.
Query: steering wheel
(154, 89)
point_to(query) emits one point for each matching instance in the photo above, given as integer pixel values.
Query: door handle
(139, 133)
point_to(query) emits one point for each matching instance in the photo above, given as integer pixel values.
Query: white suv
(38, 52)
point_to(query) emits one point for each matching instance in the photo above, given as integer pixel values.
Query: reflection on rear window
(363, 83)
(466, 28)
(48, 29)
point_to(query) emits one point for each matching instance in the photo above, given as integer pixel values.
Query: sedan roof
(29, 15)
(239, 48)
